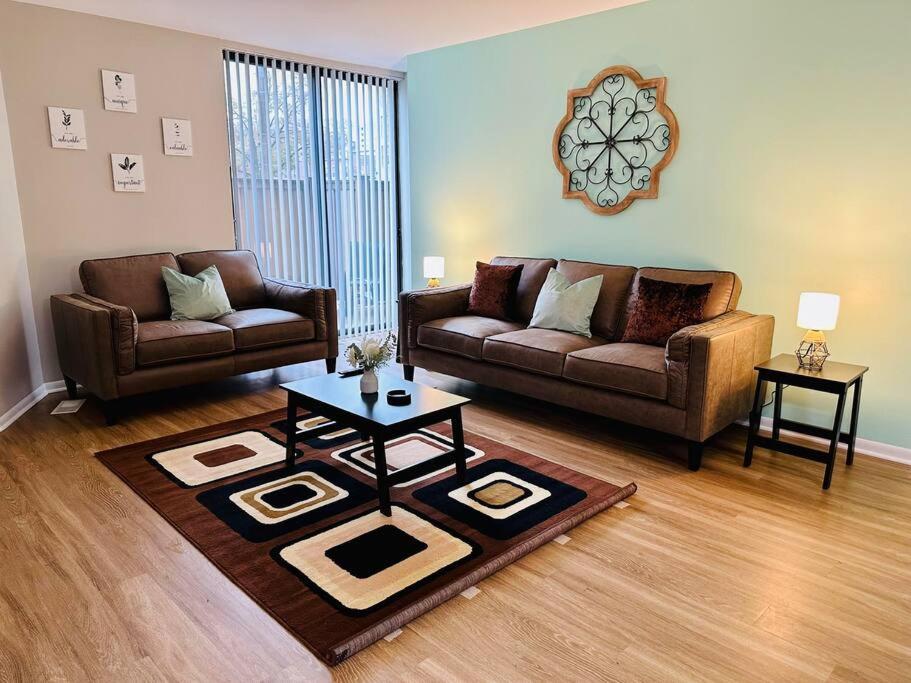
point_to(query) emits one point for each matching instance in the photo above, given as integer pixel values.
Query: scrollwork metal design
(615, 138)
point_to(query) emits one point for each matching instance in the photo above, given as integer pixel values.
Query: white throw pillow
(565, 306)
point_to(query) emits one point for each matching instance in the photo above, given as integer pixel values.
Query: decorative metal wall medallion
(615, 138)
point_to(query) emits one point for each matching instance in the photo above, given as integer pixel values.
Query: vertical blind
(315, 182)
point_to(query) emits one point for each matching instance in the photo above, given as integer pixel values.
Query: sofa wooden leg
(111, 410)
(70, 387)
(694, 455)
(409, 372)
(330, 365)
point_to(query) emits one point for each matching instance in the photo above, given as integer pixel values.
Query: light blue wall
(792, 169)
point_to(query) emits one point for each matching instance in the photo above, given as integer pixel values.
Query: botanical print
(128, 173)
(119, 91)
(178, 137)
(67, 127)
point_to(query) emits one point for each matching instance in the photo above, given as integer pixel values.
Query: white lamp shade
(433, 266)
(818, 311)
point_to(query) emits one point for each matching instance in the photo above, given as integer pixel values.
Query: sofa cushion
(565, 305)
(171, 341)
(239, 272)
(659, 309)
(534, 272)
(614, 292)
(636, 369)
(463, 335)
(257, 328)
(535, 349)
(493, 291)
(131, 281)
(725, 292)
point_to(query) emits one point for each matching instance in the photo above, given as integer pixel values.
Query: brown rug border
(372, 634)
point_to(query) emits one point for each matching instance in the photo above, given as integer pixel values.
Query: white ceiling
(376, 33)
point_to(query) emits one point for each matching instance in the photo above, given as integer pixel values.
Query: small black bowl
(398, 397)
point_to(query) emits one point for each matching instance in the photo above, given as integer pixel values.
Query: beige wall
(69, 209)
(20, 368)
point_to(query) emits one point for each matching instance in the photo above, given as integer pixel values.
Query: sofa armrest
(423, 305)
(710, 369)
(96, 341)
(317, 303)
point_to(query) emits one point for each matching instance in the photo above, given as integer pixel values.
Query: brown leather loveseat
(702, 381)
(117, 339)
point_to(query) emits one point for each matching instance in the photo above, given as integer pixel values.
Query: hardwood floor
(724, 574)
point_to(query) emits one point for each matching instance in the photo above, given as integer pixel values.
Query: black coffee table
(339, 399)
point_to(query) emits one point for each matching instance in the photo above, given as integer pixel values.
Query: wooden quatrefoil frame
(614, 140)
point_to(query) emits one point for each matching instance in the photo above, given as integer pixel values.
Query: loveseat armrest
(710, 369)
(311, 301)
(423, 305)
(96, 341)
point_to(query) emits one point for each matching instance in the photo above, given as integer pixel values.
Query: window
(315, 180)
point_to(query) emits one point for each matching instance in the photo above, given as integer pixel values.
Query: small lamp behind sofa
(434, 269)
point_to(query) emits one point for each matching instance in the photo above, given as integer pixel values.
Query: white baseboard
(53, 387)
(877, 449)
(20, 408)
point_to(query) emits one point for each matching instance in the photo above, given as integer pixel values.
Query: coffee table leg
(382, 485)
(291, 429)
(458, 441)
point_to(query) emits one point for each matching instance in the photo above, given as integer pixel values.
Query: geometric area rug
(309, 544)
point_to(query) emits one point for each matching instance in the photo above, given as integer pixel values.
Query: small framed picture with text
(178, 137)
(119, 90)
(128, 172)
(67, 128)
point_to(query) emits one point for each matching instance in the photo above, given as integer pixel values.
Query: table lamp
(817, 311)
(433, 270)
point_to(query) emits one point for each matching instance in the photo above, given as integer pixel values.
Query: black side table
(834, 378)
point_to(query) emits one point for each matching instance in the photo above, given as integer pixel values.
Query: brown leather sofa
(117, 339)
(702, 381)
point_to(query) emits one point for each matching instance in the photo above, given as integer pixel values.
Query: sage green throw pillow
(565, 306)
(202, 297)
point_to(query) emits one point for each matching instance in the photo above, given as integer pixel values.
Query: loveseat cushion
(462, 335)
(534, 272)
(637, 369)
(171, 341)
(536, 350)
(257, 328)
(131, 281)
(239, 272)
(614, 291)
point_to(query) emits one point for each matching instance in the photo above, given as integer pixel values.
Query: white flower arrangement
(372, 353)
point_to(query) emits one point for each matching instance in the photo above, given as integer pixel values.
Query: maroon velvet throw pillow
(661, 308)
(493, 292)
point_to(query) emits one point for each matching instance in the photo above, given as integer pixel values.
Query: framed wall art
(178, 137)
(67, 126)
(119, 89)
(615, 138)
(129, 175)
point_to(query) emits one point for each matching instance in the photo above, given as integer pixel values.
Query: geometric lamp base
(812, 355)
